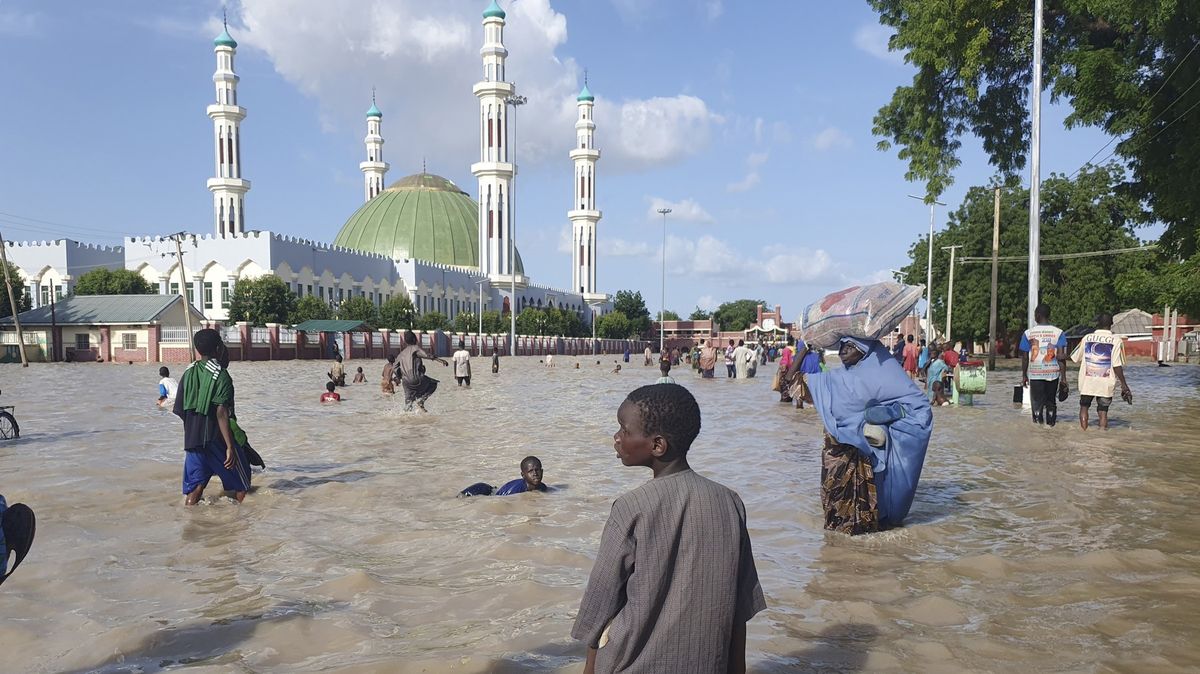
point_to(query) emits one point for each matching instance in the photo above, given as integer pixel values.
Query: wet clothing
(167, 387)
(1102, 403)
(848, 494)
(674, 573)
(202, 464)
(1046, 346)
(495, 362)
(203, 386)
(665, 379)
(937, 372)
(1042, 398)
(708, 361)
(1098, 354)
(517, 486)
(337, 373)
(911, 355)
(331, 397)
(462, 367)
(876, 390)
(411, 372)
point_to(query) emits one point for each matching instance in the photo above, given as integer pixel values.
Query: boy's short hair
(664, 366)
(530, 459)
(360, 369)
(669, 410)
(329, 386)
(164, 372)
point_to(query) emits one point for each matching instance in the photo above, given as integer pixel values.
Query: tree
(737, 315)
(495, 323)
(1122, 67)
(531, 321)
(1088, 213)
(20, 292)
(466, 321)
(699, 315)
(359, 309)
(633, 307)
(397, 313)
(669, 315)
(262, 300)
(614, 325)
(433, 320)
(113, 282)
(309, 308)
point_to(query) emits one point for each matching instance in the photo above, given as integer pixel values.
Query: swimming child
(330, 395)
(617, 369)
(664, 367)
(359, 377)
(675, 552)
(167, 386)
(530, 480)
(939, 394)
(205, 404)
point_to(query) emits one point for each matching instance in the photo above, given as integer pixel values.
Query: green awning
(332, 326)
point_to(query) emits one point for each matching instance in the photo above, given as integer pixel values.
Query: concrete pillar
(244, 333)
(152, 337)
(105, 343)
(273, 339)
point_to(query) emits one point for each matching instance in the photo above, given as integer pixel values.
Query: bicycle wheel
(8, 427)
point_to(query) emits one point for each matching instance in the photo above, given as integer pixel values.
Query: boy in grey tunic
(674, 581)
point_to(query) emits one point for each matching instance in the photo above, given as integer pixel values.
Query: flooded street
(1026, 550)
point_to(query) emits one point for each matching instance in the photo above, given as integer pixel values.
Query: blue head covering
(877, 390)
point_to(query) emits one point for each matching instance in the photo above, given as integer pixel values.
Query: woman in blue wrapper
(877, 426)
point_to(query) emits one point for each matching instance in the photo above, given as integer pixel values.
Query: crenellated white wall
(48, 267)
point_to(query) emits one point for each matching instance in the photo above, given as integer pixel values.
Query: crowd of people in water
(679, 542)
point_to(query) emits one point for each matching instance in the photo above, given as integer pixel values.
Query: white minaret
(227, 186)
(493, 170)
(583, 213)
(374, 168)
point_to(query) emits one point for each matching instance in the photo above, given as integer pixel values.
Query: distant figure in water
(530, 480)
(664, 368)
(387, 385)
(205, 404)
(359, 377)
(495, 361)
(330, 395)
(411, 372)
(167, 386)
(337, 373)
(617, 369)
(877, 427)
(462, 364)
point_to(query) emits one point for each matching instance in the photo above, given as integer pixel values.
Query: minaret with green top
(374, 168)
(227, 185)
(583, 213)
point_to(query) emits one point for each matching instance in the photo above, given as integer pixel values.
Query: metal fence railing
(11, 338)
(260, 335)
(173, 336)
(358, 338)
(231, 334)
(287, 335)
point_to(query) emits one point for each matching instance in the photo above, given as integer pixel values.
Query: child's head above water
(360, 369)
(656, 422)
(329, 386)
(164, 372)
(531, 472)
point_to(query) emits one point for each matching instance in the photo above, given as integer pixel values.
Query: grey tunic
(673, 575)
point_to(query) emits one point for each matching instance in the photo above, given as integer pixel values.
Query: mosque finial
(422, 166)
(372, 95)
(585, 77)
(224, 19)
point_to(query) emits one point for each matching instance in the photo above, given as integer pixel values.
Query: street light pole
(662, 335)
(929, 331)
(515, 101)
(479, 337)
(950, 291)
(1035, 161)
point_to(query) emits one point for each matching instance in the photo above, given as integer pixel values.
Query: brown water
(1027, 549)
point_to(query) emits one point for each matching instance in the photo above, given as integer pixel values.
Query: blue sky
(750, 119)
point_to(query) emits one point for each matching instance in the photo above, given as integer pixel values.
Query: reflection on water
(1027, 549)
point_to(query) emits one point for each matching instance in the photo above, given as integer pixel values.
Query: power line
(1062, 256)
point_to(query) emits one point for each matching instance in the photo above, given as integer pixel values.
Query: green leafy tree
(20, 292)
(397, 313)
(631, 304)
(571, 325)
(433, 320)
(531, 321)
(266, 299)
(669, 315)
(359, 309)
(495, 323)
(737, 315)
(699, 315)
(614, 325)
(310, 308)
(113, 282)
(466, 321)
(1121, 66)
(1088, 213)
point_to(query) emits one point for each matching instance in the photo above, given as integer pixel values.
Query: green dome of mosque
(493, 10)
(225, 40)
(423, 217)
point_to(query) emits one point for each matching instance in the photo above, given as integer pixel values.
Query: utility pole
(950, 290)
(995, 280)
(662, 334)
(1035, 163)
(515, 101)
(12, 304)
(187, 306)
(929, 331)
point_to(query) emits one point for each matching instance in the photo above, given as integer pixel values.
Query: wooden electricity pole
(187, 305)
(12, 304)
(995, 280)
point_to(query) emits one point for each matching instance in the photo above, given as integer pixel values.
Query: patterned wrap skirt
(848, 490)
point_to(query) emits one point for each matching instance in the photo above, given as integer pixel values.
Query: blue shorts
(200, 465)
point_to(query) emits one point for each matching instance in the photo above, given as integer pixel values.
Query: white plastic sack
(862, 312)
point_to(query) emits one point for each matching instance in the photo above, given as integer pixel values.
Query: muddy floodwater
(1027, 550)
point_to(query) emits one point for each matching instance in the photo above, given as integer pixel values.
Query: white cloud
(707, 302)
(714, 258)
(623, 248)
(752, 178)
(564, 239)
(681, 211)
(801, 266)
(872, 38)
(829, 138)
(335, 50)
(713, 9)
(758, 129)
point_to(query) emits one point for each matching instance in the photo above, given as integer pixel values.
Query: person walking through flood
(1043, 366)
(417, 385)
(877, 428)
(741, 360)
(1101, 356)
(707, 360)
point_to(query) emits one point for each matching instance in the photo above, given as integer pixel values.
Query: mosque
(421, 236)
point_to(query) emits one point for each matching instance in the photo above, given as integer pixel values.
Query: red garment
(330, 397)
(951, 358)
(911, 353)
